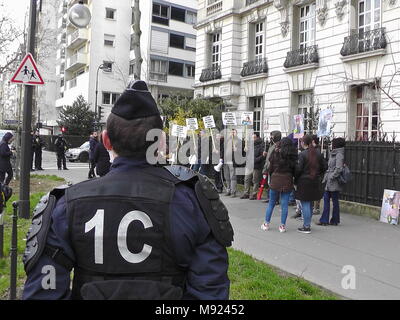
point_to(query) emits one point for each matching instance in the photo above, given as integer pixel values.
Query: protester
(233, 145)
(281, 169)
(38, 145)
(308, 180)
(252, 179)
(333, 187)
(6, 171)
(218, 154)
(141, 232)
(317, 203)
(92, 146)
(101, 158)
(61, 147)
(275, 137)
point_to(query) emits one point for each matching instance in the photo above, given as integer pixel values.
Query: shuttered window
(159, 41)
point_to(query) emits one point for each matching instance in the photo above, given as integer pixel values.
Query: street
(323, 257)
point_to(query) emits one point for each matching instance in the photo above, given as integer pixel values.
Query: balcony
(76, 38)
(158, 76)
(76, 61)
(258, 66)
(249, 2)
(212, 73)
(302, 57)
(214, 6)
(364, 42)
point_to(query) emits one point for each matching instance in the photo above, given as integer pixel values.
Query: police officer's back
(140, 232)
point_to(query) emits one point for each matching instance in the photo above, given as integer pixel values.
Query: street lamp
(79, 15)
(107, 69)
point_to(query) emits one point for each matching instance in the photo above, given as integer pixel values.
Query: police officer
(37, 146)
(61, 147)
(139, 232)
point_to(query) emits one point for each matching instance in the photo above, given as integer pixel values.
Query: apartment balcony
(76, 62)
(158, 76)
(302, 58)
(255, 67)
(214, 6)
(368, 43)
(76, 38)
(209, 74)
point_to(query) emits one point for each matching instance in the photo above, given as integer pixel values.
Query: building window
(175, 68)
(190, 70)
(176, 41)
(107, 66)
(132, 67)
(160, 14)
(259, 41)
(369, 15)
(305, 106)
(367, 116)
(307, 26)
(191, 17)
(178, 14)
(110, 13)
(256, 106)
(158, 70)
(216, 50)
(110, 98)
(109, 40)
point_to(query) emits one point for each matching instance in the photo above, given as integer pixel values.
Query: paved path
(371, 247)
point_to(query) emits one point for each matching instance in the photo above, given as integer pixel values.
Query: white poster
(209, 122)
(178, 131)
(390, 207)
(324, 123)
(229, 119)
(192, 124)
(247, 118)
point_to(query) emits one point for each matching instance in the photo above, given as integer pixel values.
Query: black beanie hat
(135, 102)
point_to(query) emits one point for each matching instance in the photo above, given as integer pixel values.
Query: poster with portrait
(247, 118)
(298, 131)
(390, 207)
(229, 119)
(324, 123)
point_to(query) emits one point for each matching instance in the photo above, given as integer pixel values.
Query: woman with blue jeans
(281, 169)
(308, 179)
(333, 187)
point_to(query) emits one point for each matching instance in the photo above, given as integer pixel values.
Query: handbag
(345, 175)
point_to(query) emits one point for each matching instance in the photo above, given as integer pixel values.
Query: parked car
(81, 153)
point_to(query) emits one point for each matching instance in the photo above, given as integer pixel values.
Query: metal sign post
(14, 253)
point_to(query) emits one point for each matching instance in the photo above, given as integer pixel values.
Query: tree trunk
(136, 40)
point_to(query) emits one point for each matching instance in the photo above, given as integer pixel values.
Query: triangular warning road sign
(27, 73)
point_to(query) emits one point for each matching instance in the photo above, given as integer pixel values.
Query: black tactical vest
(119, 227)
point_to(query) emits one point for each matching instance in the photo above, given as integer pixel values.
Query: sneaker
(319, 223)
(282, 228)
(253, 198)
(304, 229)
(265, 226)
(245, 196)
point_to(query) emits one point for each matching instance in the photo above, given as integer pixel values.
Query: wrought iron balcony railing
(212, 73)
(301, 57)
(364, 41)
(254, 67)
(249, 2)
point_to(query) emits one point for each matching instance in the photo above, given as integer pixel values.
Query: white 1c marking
(97, 222)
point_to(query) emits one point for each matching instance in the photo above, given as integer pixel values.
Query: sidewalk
(371, 247)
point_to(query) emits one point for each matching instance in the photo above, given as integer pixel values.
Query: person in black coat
(101, 159)
(310, 170)
(5, 159)
(93, 142)
(61, 147)
(37, 145)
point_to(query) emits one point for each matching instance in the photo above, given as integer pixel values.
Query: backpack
(5, 194)
(345, 175)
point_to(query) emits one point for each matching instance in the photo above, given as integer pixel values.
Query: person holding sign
(233, 145)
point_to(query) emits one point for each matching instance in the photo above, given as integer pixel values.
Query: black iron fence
(212, 73)
(254, 67)
(301, 56)
(364, 41)
(375, 166)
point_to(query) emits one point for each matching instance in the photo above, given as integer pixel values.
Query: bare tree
(10, 41)
(136, 40)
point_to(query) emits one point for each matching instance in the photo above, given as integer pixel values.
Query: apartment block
(281, 58)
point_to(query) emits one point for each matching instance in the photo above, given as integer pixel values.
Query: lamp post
(102, 67)
(79, 16)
